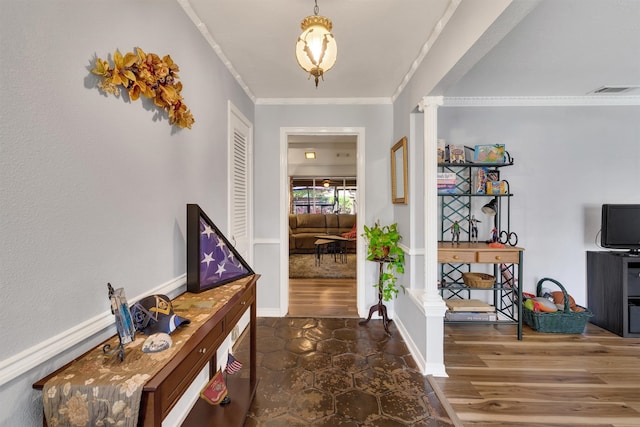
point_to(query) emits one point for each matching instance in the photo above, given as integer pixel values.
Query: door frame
(285, 132)
(235, 115)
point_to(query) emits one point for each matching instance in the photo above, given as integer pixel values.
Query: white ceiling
(562, 48)
(551, 47)
(336, 155)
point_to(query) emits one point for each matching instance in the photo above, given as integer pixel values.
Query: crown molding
(542, 101)
(324, 101)
(186, 6)
(442, 22)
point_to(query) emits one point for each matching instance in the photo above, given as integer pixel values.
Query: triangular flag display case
(211, 260)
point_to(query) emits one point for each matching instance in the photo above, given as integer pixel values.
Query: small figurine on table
(494, 235)
(455, 233)
(474, 228)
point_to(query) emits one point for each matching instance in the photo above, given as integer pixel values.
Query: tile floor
(334, 372)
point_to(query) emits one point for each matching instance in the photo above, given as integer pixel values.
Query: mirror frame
(399, 181)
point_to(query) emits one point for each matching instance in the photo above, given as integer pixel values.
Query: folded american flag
(233, 365)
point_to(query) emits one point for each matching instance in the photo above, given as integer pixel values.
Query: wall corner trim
(30, 358)
(542, 101)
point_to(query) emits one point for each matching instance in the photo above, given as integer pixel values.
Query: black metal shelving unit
(458, 207)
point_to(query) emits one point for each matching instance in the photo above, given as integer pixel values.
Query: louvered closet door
(240, 137)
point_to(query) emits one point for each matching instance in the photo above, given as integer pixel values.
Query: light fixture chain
(316, 9)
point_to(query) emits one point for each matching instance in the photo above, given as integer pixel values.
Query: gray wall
(377, 121)
(568, 162)
(407, 121)
(93, 188)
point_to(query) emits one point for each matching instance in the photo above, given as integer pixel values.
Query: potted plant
(384, 247)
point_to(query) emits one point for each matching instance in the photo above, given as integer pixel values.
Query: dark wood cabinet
(613, 292)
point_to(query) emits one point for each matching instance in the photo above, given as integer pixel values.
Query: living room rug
(303, 266)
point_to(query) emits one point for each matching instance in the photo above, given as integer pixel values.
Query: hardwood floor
(322, 298)
(592, 379)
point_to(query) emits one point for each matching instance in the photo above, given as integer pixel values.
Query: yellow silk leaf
(117, 59)
(129, 59)
(145, 74)
(129, 74)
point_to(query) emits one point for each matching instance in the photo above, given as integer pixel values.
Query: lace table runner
(99, 390)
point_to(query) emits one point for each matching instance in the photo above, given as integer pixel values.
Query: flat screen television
(620, 227)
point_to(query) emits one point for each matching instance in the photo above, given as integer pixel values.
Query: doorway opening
(322, 199)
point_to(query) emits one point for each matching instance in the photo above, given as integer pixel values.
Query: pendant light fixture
(316, 49)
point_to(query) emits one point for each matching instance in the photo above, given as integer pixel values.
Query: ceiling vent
(608, 90)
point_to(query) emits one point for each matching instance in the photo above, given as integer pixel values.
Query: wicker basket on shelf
(478, 280)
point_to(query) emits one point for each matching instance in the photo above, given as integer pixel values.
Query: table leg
(380, 308)
(382, 311)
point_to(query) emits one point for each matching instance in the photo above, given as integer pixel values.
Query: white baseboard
(269, 312)
(411, 345)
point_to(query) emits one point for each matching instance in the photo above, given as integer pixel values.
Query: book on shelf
(456, 153)
(496, 187)
(446, 182)
(468, 305)
(493, 175)
(442, 146)
(471, 316)
(447, 190)
(481, 180)
(485, 178)
(493, 153)
(446, 177)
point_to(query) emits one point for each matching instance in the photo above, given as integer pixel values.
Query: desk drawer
(495, 257)
(182, 376)
(239, 308)
(456, 257)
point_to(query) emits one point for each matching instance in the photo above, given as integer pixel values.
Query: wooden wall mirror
(399, 171)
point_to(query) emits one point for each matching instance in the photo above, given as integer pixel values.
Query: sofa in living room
(303, 229)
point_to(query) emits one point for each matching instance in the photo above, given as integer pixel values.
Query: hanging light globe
(316, 49)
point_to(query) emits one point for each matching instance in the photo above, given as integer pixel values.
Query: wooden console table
(213, 315)
(482, 253)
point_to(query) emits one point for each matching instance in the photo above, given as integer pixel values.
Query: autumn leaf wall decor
(148, 75)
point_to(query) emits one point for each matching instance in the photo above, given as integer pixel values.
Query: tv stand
(613, 291)
(624, 254)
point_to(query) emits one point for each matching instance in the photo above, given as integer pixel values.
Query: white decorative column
(434, 306)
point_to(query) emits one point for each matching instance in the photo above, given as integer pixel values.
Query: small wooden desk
(482, 253)
(198, 345)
